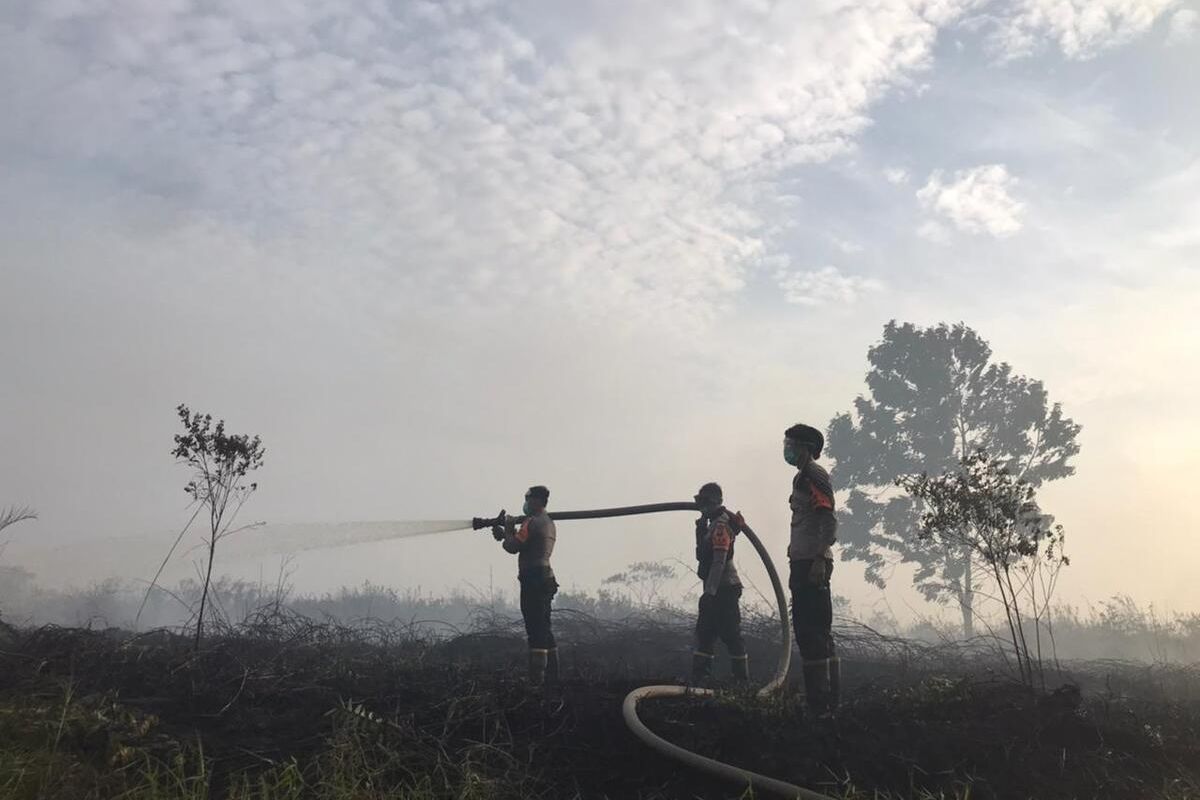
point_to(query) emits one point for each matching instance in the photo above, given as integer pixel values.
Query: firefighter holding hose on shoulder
(814, 531)
(719, 615)
(533, 543)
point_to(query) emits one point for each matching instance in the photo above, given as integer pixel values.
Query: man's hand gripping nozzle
(497, 524)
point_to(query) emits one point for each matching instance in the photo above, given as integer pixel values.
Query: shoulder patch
(523, 534)
(821, 500)
(721, 538)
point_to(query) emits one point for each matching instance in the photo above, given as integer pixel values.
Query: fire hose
(629, 708)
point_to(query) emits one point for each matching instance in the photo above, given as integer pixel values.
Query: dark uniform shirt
(534, 542)
(714, 548)
(814, 526)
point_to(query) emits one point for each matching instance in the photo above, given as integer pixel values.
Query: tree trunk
(212, 548)
(966, 600)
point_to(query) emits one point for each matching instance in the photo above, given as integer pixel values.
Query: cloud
(613, 157)
(897, 176)
(825, 285)
(1080, 28)
(1185, 24)
(975, 200)
(605, 154)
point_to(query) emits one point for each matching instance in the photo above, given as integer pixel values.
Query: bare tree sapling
(220, 463)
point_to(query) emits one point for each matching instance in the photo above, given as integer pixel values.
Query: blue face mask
(790, 454)
(527, 509)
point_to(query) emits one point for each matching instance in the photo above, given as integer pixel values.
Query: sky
(436, 252)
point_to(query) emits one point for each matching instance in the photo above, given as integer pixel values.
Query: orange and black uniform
(814, 530)
(533, 543)
(719, 614)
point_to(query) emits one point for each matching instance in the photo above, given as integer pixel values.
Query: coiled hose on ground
(759, 783)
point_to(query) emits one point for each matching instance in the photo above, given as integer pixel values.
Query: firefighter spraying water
(533, 543)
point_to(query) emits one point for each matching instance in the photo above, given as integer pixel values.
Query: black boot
(537, 666)
(835, 684)
(816, 685)
(740, 667)
(701, 665)
(552, 665)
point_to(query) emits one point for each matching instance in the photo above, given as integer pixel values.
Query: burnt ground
(453, 718)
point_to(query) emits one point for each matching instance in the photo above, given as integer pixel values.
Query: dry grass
(283, 706)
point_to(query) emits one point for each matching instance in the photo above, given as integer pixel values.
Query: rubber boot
(835, 684)
(701, 665)
(552, 665)
(740, 667)
(816, 685)
(537, 666)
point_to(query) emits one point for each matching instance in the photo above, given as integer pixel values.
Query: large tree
(935, 397)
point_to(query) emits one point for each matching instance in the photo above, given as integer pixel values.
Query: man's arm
(821, 489)
(515, 538)
(827, 531)
(820, 492)
(721, 539)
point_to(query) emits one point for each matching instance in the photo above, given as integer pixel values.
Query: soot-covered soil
(454, 718)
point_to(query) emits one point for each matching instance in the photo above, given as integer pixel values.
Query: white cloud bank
(975, 200)
(614, 154)
(1080, 28)
(609, 154)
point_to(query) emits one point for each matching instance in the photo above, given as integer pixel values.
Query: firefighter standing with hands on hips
(814, 530)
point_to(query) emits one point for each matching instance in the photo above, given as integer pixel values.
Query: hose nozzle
(482, 523)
